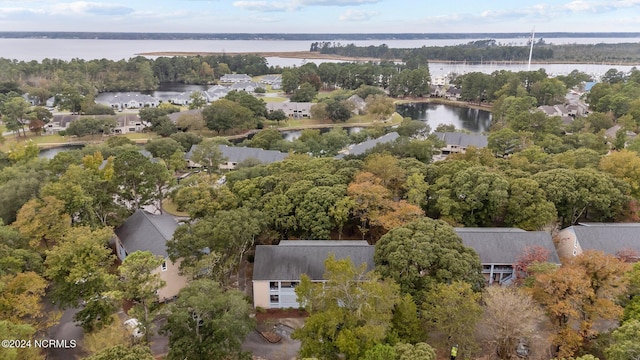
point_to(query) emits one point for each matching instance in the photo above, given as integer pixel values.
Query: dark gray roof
(241, 153)
(608, 238)
(505, 245)
(361, 148)
(176, 115)
(462, 139)
(292, 258)
(147, 232)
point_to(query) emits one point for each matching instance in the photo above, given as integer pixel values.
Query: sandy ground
(280, 54)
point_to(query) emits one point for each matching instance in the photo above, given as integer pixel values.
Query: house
(128, 123)
(437, 91)
(234, 78)
(271, 79)
(125, 123)
(185, 98)
(277, 268)
(292, 109)
(359, 104)
(177, 115)
(457, 142)
(143, 231)
(237, 154)
(216, 92)
(246, 86)
(126, 100)
(499, 249)
(453, 93)
(361, 148)
(50, 102)
(32, 100)
(555, 110)
(439, 80)
(612, 132)
(619, 239)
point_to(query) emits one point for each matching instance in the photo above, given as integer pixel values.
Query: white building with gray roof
(618, 239)
(361, 148)
(234, 78)
(234, 155)
(277, 268)
(457, 142)
(500, 248)
(127, 100)
(143, 231)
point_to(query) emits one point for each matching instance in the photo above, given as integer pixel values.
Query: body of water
(87, 49)
(473, 120)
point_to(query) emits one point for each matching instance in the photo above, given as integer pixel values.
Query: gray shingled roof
(608, 238)
(361, 148)
(241, 153)
(504, 245)
(292, 258)
(462, 139)
(176, 115)
(147, 232)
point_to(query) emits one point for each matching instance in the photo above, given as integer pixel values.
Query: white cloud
(12, 12)
(90, 8)
(338, 2)
(292, 5)
(265, 6)
(599, 6)
(357, 15)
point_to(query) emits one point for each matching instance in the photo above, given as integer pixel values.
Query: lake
(473, 120)
(88, 49)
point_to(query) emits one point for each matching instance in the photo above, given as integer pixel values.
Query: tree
(474, 196)
(424, 253)
(419, 351)
(197, 100)
(208, 155)
(510, 316)
(453, 310)
(208, 323)
(23, 152)
(18, 184)
(577, 295)
(79, 269)
(224, 114)
(527, 207)
(121, 352)
(406, 322)
(25, 332)
(139, 284)
(339, 111)
(163, 148)
(624, 165)
(15, 111)
(109, 336)
(187, 139)
(229, 234)
(350, 313)
(624, 345)
(257, 106)
(304, 93)
(21, 300)
(380, 106)
(44, 222)
(140, 181)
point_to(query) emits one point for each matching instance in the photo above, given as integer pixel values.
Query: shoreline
(319, 56)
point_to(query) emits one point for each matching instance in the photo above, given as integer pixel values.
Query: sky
(321, 16)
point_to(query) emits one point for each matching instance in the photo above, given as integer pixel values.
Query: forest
(491, 50)
(537, 173)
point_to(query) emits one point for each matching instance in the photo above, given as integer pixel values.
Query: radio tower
(533, 35)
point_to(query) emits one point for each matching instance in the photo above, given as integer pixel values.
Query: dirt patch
(269, 314)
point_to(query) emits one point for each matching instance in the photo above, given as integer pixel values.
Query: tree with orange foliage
(578, 295)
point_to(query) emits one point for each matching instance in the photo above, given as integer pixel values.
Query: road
(66, 330)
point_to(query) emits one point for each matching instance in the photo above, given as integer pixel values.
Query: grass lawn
(140, 136)
(171, 208)
(11, 140)
(273, 99)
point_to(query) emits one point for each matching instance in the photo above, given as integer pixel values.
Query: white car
(133, 325)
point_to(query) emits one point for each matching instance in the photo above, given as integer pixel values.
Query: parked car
(133, 326)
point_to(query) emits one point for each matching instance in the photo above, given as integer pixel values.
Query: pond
(473, 120)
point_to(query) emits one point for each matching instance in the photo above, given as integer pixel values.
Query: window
(273, 285)
(288, 284)
(274, 299)
(164, 266)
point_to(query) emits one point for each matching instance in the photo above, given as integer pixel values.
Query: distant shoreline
(317, 55)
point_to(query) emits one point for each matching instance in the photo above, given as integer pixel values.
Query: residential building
(619, 239)
(246, 86)
(359, 104)
(125, 123)
(233, 155)
(361, 148)
(143, 231)
(278, 268)
(457, 142)
(271, 79)
(234, 78)
(453, 93)
(127, 100)
(292, 109)
(500, 248)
